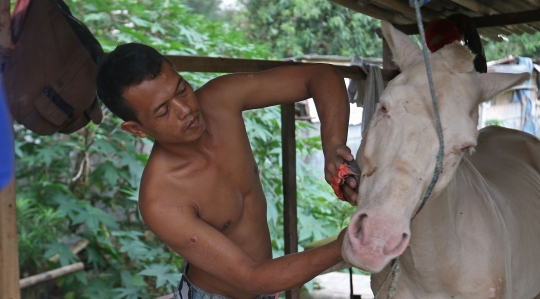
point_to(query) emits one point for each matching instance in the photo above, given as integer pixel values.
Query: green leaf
(108, 172)
(99, 288)
(163, 273)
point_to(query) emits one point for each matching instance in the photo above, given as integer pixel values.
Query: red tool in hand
(345, 170)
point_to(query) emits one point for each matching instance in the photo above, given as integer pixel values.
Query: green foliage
(80, 186)
(166, 25)
(207, 8)
(320, 214)
(494, 122)
(38, 225)
(298, 27)
(526, 45)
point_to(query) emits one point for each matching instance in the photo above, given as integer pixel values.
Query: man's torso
(223, 189)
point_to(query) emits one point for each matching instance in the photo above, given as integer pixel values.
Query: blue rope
(440, 154)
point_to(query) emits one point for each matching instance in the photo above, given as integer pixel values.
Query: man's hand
(335, 157)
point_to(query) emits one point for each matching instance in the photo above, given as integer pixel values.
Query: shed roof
(491, 17)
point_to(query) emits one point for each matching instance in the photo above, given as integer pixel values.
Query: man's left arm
(289, 84)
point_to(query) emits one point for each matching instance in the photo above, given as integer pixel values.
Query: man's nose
(182, 109)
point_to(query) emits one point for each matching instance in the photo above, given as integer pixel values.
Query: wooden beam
(372, 11)
(505, 6)
(483, 9)
(290, 223)
(507, 19)
(233, 65)
(9, 256)
(50, 275)
(488, 21)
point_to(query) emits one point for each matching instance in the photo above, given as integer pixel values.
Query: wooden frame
(236, 65)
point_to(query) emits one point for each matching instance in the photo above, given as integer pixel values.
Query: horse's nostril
(359, 227)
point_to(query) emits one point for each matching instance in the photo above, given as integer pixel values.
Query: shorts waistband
(187, 290)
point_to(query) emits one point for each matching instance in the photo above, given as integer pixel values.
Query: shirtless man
(200, 190)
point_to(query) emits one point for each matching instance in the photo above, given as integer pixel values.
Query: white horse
(478, 235)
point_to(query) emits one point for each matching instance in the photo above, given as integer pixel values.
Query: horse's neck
(452, 223)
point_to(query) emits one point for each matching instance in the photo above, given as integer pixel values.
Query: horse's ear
(494, 83)
(405, 50)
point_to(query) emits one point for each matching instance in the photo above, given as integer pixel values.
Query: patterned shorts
(187, 290)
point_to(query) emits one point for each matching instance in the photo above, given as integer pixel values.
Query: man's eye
(165, 113)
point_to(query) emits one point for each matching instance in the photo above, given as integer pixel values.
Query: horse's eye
(468, 149)
(383, 109)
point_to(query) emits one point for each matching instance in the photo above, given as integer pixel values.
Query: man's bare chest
(226, 190)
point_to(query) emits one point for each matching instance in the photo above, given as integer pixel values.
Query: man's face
(166, 107)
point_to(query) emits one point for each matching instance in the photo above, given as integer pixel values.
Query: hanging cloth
(366, 93)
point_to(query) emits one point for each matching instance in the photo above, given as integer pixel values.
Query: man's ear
(133, 127)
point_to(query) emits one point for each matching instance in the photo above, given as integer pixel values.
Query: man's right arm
(208, 249)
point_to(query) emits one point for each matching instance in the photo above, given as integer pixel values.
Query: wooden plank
(290, 223)
(488, 21)
(50, 275)
(9, 256)
(234, 65)
(5, 28)
(430, 15)
(484, 9)
(507, 19)
(504, 6)
(372, 11)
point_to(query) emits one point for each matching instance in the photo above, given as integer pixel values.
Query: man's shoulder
(165, 179)
(158, 191)
(224, 92)
(155, 185)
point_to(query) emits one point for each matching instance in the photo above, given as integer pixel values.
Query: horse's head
(398, 152)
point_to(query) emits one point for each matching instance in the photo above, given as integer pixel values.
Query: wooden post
(289, 185)
(9, 255)
(9, 258)
(5, 27)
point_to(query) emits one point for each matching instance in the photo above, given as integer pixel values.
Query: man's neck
(191, 151)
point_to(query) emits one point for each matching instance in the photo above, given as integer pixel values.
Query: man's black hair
(128, 65)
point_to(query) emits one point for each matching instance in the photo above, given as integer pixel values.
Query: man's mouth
(194, 123)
